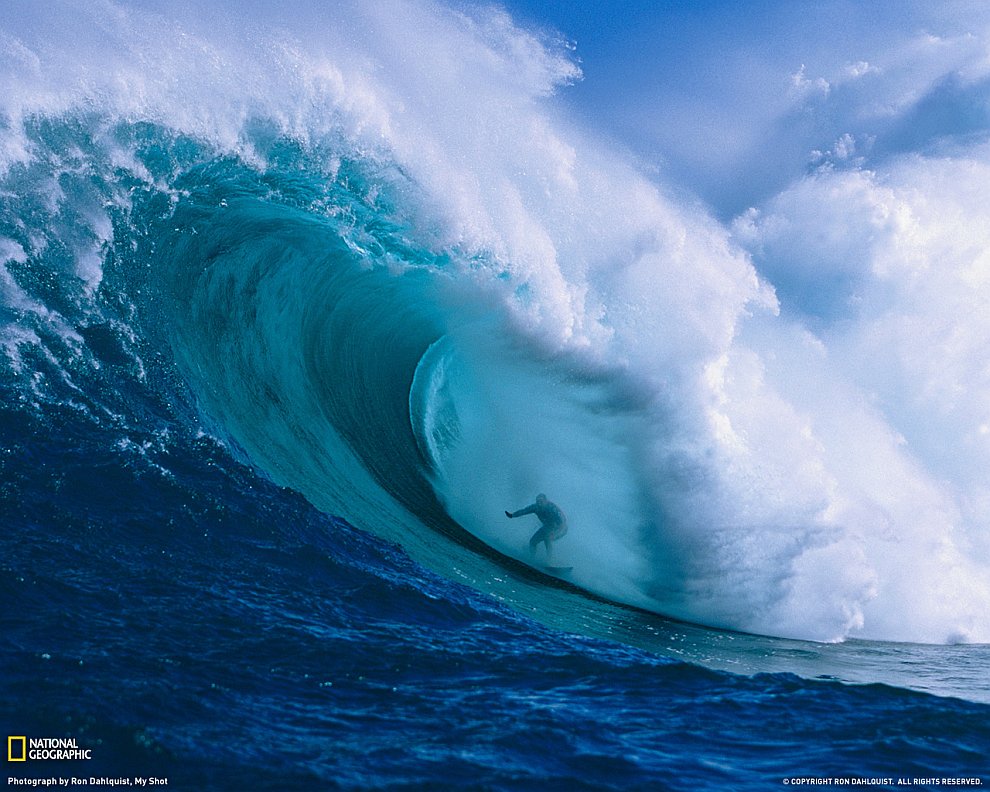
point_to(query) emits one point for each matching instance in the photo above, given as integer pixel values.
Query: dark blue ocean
(264, 400)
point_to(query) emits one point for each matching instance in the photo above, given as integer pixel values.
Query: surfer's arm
(531, 509)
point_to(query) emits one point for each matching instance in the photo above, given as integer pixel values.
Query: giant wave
(406, 286)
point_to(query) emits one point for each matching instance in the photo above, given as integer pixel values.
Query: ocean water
(289, 316)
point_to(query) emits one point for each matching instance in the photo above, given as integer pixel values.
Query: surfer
(553, 523)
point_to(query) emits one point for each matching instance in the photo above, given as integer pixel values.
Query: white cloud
(803, 86)
(859, 69)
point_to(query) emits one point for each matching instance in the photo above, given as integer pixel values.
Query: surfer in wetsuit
(553, 523)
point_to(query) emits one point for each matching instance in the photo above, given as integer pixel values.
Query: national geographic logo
(20, 749)
(17, 749)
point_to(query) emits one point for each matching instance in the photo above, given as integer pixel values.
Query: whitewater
(403, 281)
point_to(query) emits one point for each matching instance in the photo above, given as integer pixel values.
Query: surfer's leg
(556, 533)
(541, 535)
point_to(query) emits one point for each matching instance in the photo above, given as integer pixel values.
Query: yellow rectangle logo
(13, 741)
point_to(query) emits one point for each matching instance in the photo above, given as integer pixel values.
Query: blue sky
(730, 100)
